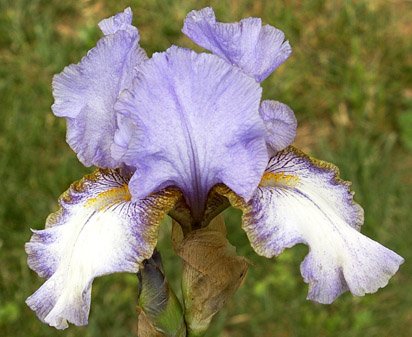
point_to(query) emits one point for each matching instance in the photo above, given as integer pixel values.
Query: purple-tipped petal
(302, 200)
(97, 231)
(196, 124)
(85, 93)
(280, 123)
(258, 50)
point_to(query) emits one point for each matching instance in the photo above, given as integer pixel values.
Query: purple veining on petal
(323, 175)
(85, 93)
(195, 117)
(258, 50)
(97, 231)
(302, 200)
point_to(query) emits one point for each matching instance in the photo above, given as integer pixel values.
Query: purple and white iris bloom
(172, 131)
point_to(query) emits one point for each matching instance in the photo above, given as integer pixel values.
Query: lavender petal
(258, 50)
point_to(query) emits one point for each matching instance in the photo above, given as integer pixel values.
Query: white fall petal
(302, 200)
(97, 231)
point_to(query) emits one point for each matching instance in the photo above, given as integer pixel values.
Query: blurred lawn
(349, 82)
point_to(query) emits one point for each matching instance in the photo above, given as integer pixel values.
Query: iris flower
(185, 134)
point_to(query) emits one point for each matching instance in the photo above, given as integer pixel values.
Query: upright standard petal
(301, 200)
(280, 124)
(85, 93)
(258, 50)
(197, 124)
(120, 21)
(97, 231)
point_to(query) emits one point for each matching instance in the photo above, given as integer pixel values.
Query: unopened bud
(161, 314)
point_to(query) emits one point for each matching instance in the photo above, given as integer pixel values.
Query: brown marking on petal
(238, 202)
(181, 214)
(235, 200)
(216, 204)
(329, 167)
(319, 164)
(281, 179)
(156, 205)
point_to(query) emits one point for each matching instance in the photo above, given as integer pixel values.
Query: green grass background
(349, 83)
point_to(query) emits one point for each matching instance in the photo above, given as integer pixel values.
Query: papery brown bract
(212, 272)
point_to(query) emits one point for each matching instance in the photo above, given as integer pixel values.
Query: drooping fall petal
(302, 200)
(97, 231)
